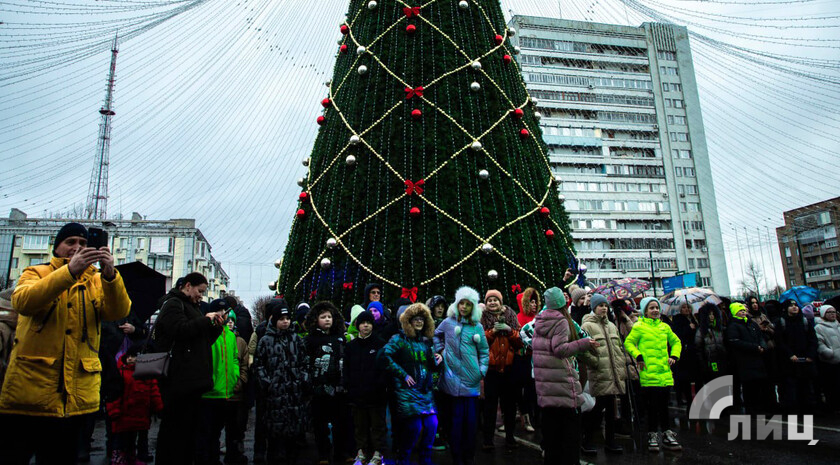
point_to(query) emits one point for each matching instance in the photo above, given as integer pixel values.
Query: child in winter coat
(559, 391)
(366, 391)
(236, 407)
(325, 345)
(282, 369)
(409, 360)
(648, 343)
(710, 343)
(606, 379)
(132, 411)
(828, 349)
(466, 355)
(501, 328)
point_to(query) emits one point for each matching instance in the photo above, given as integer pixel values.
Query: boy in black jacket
(366, 391)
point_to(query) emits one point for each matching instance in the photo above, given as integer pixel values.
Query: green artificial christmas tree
(429, 171)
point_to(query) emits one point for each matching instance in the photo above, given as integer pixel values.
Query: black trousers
(561, 433)
(499, 388)
(656, 398)
(370, 428)
(53, 441)
(284, 449)
(210, 431)
(260, 436)
(326, 411)
(592, 420)
(179, 427)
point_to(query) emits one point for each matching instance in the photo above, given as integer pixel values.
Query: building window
(690, 263)
(669, 71)
(14, 263)
(683, 207)
(676, 120)
(36, 242)
(702, 263)
(679, 136)
(705, 282)
(689, 172)
(678, 171)
(161, 245)
(665, 55)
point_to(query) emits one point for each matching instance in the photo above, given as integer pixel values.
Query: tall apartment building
(808, 246)
(171, 247)
(621, 117)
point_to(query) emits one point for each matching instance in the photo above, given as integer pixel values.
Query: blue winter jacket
(466, 356)
(403, 356)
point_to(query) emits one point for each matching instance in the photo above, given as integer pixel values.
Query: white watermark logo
(717, 395)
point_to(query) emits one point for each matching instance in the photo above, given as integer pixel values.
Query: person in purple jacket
(558, 385)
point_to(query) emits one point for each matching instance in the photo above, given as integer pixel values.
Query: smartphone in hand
(97, 238)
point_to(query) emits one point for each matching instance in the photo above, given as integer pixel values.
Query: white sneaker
(653, 442)
(376, 459)
(360, 458)
(669, 441)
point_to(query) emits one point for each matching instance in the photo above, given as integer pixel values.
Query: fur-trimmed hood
(470, 294)
(528, 295)
(414, 310)
(338, 327)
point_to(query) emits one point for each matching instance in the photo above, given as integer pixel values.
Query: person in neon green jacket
(648, 344)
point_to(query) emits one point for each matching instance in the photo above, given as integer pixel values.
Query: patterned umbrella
(671, 302)
(625, 288)
(803, 295)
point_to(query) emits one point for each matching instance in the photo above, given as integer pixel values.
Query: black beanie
(69, 230)
(364, 317)
(275, 307)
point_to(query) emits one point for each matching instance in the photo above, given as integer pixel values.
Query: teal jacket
(225, 366)
(650, 338)
(405, 356)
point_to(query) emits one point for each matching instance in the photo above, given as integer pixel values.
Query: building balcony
(572, 140)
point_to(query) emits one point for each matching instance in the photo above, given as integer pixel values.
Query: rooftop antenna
(97, 198)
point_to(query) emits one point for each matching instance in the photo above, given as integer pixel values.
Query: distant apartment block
(808, 246)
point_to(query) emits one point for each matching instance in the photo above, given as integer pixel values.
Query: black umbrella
(145, 287)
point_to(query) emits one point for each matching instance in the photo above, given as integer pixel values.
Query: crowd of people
(564, 362)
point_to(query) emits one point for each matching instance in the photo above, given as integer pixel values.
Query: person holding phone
(53, 378)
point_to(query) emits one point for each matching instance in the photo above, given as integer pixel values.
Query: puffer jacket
(410, 354)
(796, 336)
(625, 325)
(281, 366)
(326, 354)
(226, 370)
(466, 356)
(828, 340)
(132, 411)
(650, 338)
(744, 338)
(363, 378)
(608, 376)
(712, 350)
(502, 345)
(54, 369)
(557, 380)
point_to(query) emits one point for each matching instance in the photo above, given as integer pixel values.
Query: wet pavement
(703, 443)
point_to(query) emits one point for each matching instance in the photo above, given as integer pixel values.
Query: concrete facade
(171, 247)
(621, 116)
(808, 247)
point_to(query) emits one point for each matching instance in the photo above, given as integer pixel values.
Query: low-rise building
(808, 246)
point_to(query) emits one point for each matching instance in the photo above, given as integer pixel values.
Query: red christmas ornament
(303, 197)
(544, 211)
(343, 48)
(321, 120)
(301, 213)
(325, 103)
(498, 39)
(549, 234)
(410, 29)
(518, 113)
(344, 29)
(414, 212)
(507, 59)
(416, 113)
(524, 134)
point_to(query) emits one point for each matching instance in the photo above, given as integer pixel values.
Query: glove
(501, 327)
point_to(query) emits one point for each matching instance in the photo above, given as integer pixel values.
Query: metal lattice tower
(97, 198)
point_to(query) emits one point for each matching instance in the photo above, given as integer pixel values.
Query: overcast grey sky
(216, 108)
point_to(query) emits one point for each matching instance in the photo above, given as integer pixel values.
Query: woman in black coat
(746, 345)
(182, 329)
(796, 345)
(687, 368)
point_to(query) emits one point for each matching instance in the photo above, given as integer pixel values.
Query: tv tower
(97, 198)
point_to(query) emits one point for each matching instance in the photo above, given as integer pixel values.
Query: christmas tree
(429, 171)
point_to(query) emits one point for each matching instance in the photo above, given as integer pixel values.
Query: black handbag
(154, 365)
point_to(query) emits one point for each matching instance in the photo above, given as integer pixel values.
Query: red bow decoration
(409, 92)
(516, 288)
(411, 11)
(410, 294)
(348, 286)
(313, 294)
(414, 187)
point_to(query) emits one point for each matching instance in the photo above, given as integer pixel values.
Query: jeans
(422, 428)
(464, 414)
(561, 433)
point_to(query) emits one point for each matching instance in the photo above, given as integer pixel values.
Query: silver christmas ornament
(486, 248)
(516, 50)
(484, 174)
(326, 263)
(511, 32)
(350, 160)
(534, 101)
(301, 182)
(362, 70)
(278, 263)
(463, 4)
(272, 285)
(371, 5)
(331, 243)
(341, 40)
(305, 162)
(558, 179)
(476, 146)
(328, 83)
(476, 65)
(537, 115)
(475, 87)
(492, 275)
(360, 50)
(354, 139)
(562, 197)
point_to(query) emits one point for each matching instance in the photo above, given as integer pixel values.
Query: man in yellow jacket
(54, 375)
